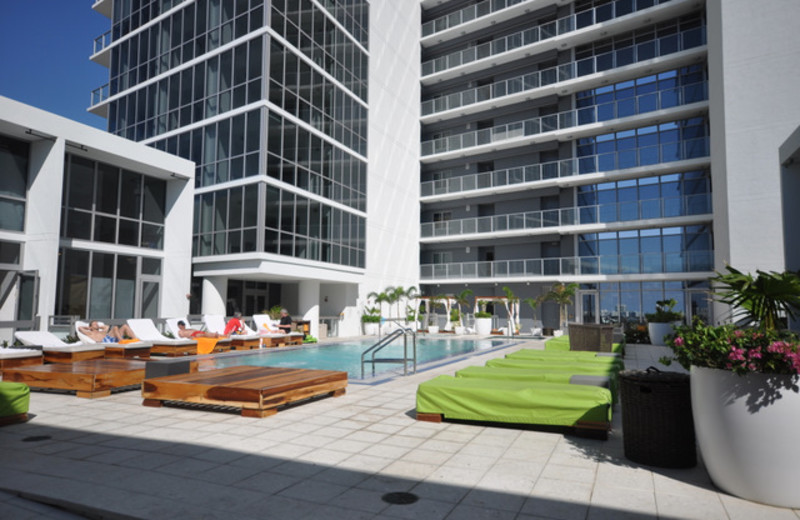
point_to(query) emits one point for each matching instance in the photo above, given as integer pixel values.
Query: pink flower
(678, 341)
(736, 354)
(738, 333)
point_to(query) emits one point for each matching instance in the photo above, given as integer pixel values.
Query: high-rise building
(304, 194)
(629, 146)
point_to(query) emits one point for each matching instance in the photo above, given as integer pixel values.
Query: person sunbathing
(185, 332)
(101, 333)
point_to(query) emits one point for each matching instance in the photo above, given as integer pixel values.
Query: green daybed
(562, 366)
(586, 408)
(565, 377)
(561, 343)
(14, 402)
(569, 357)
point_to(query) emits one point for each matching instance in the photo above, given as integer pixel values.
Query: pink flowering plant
(739, 350)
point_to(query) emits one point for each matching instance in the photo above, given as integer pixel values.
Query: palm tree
(533, 303)
(462, 299)
(562, 295)
(380, 299)
(763, 298)
(512, 307)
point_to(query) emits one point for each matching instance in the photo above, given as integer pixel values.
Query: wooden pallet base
(120, 352)
(88, 379)
(54, 356)
(21, 362)
(258, 391)
(173, 350)
(13, 419)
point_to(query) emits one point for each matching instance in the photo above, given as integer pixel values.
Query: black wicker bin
(657, 424)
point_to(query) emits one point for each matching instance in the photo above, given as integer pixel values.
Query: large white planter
(433, 329)
(371, 329)
(657, 332)
(747, 429)
(483, 326)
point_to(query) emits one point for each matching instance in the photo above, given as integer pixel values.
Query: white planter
(433, 329)
(371, 329)
(746, 429)
(657, 332)
(557, 333)
(483, 326)
(460, 331)
(536, 331)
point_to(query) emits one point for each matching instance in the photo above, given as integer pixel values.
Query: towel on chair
(205, 345)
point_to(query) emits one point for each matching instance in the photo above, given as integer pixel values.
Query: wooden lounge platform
(73, 353)
(258, 391)
(127, 350)
(93, 378)
(281, 341)
(173, 350)
(13, 358)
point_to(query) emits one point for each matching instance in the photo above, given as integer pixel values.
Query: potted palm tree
(745, 387)
(483, 319)
(512, 308)
(462, 300)
(433, 317)
(562, 295)
(662, 322)
(533, 303)
(371, 320)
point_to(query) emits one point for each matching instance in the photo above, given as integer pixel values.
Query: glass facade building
(568, 142)
(269, 99)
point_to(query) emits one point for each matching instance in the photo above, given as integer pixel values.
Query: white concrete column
(308, 304)
(43, 220)
(215, 293)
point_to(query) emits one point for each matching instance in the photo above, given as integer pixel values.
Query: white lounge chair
(267, 328)
(216, 323)
(57, 351)
(145, 329)
(172, 325)
(134, 349)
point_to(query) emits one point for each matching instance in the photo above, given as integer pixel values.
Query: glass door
(149, 289)
(588, 310)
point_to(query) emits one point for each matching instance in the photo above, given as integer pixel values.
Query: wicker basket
(591, 336)
(657, 424)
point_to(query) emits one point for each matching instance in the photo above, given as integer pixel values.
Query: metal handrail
(382, 343)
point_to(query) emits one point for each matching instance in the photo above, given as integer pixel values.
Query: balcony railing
(698, 204)
(643, 263)
(101, 42)
(530, 36)
(625, 107)
(466, 15)
(611, 161)
(99, 95)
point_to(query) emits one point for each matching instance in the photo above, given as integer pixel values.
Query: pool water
(347, 356)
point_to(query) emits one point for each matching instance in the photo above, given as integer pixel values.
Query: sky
(44, 55)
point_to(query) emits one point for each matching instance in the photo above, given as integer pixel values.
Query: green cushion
(578, 356)
(14, 398)
(550, 404)
(545, 375)
(561, 366)
(562, 343)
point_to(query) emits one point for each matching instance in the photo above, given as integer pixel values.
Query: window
(13, 183)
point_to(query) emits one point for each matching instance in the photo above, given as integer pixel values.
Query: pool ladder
(377, 347)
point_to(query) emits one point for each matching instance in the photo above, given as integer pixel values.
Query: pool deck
(334, 458)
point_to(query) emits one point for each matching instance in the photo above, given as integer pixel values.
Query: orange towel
(123, 341)
(205, 345)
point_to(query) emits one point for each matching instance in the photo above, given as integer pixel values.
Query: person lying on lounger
(186, 332)
(102, 333)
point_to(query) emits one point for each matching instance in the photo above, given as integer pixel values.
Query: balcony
(651, 102)
(100, 50)
(586, 266)
(545, 220)
(546, 31)
(97, 105)
(521, 177)
(468, 14)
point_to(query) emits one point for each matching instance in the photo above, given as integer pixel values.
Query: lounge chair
(20, 357)
(204, 345)
(579, 356)
(127, 350)
(145, 329)
(265, 327)
(561, 343)
(560, 366)
(545, 375)
(57, 351)
(519, 402)
(216, 323)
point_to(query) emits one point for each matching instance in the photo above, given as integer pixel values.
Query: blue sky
(44, 55)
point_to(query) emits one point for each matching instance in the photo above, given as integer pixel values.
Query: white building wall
(394, 112)
(51, 137)
(754, 52)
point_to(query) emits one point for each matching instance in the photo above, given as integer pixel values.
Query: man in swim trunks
(185, 332)
(101, 333)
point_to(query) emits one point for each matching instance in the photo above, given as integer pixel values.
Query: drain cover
(37, 438)
(400, 498)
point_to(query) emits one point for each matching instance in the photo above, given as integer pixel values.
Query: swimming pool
(347, 356)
